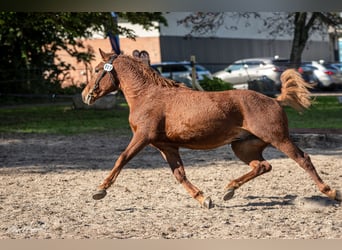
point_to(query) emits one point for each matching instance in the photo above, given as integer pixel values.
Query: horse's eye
(96, 70)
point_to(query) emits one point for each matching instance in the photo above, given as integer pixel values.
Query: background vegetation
(326, 112)
(214, 84)
(29, 43)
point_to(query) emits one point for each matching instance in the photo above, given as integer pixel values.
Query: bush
(72, 89)
(215, 84)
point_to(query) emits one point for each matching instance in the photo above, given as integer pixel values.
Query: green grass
(63, 119)
(326, 112)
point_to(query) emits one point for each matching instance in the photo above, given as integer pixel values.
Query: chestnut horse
(167, 115)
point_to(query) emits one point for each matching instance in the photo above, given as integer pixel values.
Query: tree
(304, 23)
(29, 42)
(298, 24)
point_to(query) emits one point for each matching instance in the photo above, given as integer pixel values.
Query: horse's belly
(206, 145)
(206, 139)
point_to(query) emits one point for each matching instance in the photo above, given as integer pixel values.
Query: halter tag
(108, 67)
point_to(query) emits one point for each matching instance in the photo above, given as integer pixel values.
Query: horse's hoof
(229, 194)
(100, 194)
(207, 203)
(338, 195)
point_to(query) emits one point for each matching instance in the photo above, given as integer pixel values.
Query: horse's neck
(135, 90)
(132, 94)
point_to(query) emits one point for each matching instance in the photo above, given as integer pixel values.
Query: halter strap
(107, 68)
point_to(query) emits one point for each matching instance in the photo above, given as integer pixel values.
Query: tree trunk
(301, 36)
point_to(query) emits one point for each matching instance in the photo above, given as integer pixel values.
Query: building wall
(82, 75)
(217, 53)
(150, 44)
(217, 50)
(146, 40)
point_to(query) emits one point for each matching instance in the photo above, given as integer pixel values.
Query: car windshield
(283, 63)
(337, 65)
(177, 67)
(254, 64)
(200, 68)
(171, 68)
(308, 67)
(331, 67)
(235, 66)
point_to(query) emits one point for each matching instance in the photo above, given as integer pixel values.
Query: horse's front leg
(137, 143)
(171, 155)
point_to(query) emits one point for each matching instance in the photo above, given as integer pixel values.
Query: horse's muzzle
(87, 98)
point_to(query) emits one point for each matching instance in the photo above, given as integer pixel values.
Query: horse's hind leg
(250, 152)
(171, 155)
(303, 159)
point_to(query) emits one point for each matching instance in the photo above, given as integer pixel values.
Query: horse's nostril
(84, 98)
(88, 99)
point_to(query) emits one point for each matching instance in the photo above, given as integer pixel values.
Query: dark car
(181, 71)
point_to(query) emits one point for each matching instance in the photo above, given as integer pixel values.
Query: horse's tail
(294, 90)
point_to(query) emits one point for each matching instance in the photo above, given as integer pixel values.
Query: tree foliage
(29, 42)
(299, 25)
(215, 84)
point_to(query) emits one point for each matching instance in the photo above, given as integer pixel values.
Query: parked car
(181, 71)
(321, 75)
(247, 70)
(335, 66)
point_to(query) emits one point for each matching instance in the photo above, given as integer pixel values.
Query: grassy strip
(326, 112)
(63, 119)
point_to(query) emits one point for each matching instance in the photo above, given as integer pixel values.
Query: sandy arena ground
(47, 181)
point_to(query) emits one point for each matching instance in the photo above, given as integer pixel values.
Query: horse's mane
(137, 67)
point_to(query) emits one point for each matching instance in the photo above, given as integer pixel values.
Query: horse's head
(103, 81)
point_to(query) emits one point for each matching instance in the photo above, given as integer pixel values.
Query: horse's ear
(102, 53)
(135, 53)
(145, 57)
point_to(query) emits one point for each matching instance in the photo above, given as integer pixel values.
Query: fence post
(194, 82)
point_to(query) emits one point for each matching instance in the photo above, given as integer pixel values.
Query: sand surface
(47, 182)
